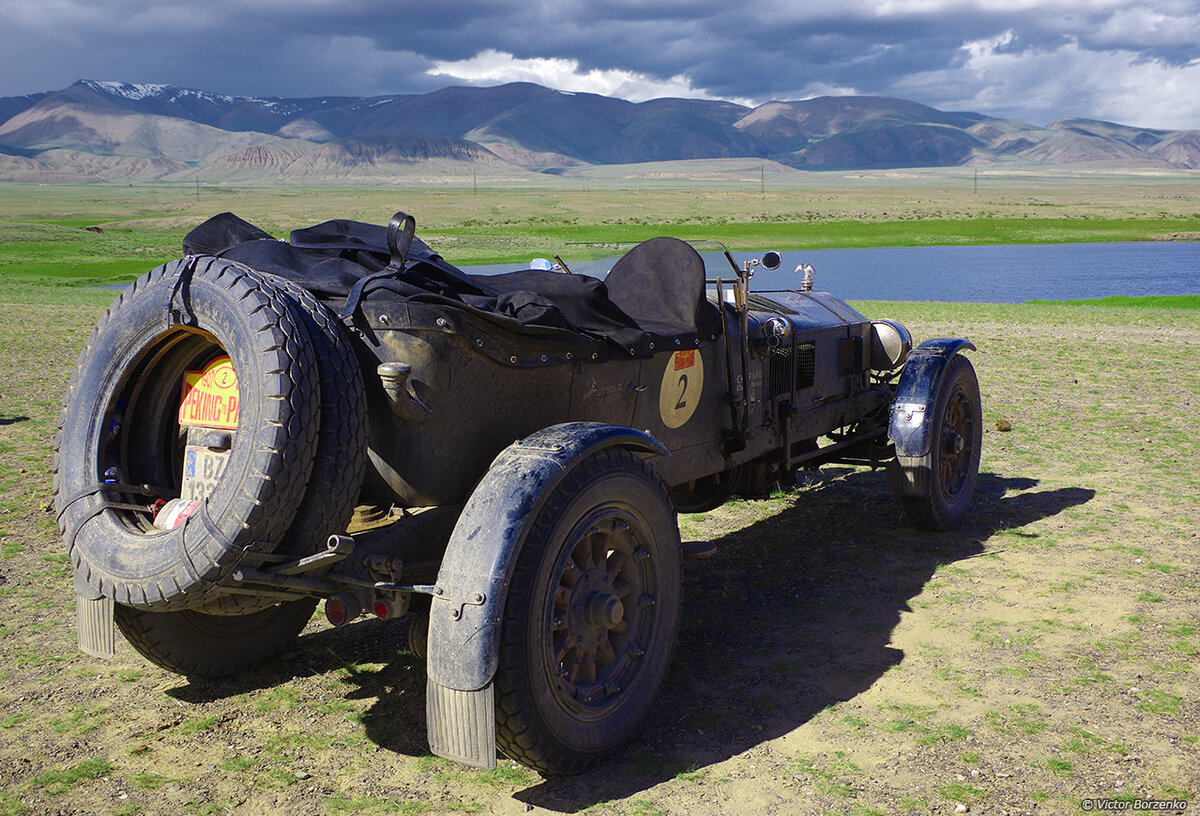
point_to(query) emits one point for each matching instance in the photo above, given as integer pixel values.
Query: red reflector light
(335, 611)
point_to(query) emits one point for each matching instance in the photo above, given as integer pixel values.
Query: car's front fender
(909, 428)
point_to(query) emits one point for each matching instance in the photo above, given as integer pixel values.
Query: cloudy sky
(1035, 60)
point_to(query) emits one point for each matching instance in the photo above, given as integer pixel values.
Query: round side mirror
(771, 260)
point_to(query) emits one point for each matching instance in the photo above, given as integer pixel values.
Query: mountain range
(115, 130)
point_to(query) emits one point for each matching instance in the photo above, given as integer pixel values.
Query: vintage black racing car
(346, 417)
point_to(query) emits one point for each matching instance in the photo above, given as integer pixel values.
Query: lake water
(999, 274)
(1008, 273)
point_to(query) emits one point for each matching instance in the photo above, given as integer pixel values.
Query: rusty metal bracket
(440, 593)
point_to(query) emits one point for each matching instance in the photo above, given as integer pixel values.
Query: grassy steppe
(831, 659)
(43, 233)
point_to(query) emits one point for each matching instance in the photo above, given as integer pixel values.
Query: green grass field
(1143, 302)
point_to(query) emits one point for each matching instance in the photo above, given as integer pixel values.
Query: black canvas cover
(653, 296)
(660, 284)
(219, 233)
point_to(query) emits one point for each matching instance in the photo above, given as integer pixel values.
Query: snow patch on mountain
(127, 90)
(137, 91)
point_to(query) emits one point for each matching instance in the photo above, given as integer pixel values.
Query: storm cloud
(1133, 62)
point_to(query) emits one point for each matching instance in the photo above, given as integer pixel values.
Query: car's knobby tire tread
(261, 509)
(340, 460)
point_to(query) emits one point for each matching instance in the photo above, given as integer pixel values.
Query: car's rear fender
(468, 600)
(910, 426)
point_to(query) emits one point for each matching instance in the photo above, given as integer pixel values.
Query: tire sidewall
(197, 644)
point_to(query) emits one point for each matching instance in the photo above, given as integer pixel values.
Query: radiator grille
(806, 365)
(779, 372)
(790, 368)
(767, 305)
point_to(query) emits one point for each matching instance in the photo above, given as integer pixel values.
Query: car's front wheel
(708, 492)
(956, 435)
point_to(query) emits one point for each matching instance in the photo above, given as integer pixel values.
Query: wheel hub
(604, 611)
(956, 430)
(596, 618)
(954, 443)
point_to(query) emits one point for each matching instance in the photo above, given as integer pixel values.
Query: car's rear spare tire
(120, 451)
(340, 457)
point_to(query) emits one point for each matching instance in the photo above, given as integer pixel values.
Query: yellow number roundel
(682, 384)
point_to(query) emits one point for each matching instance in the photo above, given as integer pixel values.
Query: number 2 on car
(682, 384)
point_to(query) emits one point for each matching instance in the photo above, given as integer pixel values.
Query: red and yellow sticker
(210, 397)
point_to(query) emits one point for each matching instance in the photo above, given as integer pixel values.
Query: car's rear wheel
(199, 644)
(590, 618)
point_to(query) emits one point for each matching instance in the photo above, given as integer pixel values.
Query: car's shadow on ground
(793, 614)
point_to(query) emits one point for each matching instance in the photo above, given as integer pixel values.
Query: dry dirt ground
(831, 659)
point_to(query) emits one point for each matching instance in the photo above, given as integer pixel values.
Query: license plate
(202, 469)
